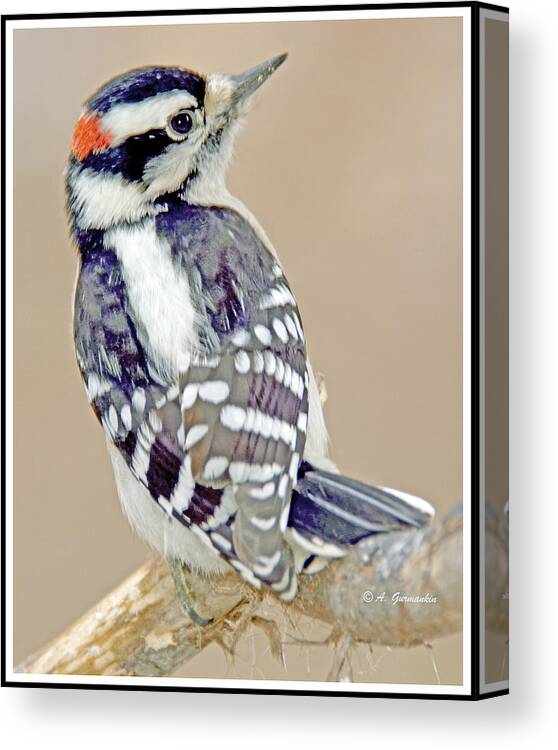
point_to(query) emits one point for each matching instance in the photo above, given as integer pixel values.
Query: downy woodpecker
(191, 347)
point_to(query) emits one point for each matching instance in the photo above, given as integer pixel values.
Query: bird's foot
(185, 594)
(253, 599)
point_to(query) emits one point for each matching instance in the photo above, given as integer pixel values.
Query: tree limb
(368, 596)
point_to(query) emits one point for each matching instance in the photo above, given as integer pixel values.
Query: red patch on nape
(89, 137)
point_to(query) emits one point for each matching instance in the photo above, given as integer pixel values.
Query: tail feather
(330, 511)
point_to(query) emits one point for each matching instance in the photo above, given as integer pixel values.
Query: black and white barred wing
(245, 401)
(219, 452)
(244, 424)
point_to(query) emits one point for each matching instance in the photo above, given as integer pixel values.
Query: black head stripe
(142, 83)
(139, 149)
(130, 158)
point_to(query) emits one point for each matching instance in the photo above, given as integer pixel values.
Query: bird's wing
(218, 450)
(245, 401)
(244, 423)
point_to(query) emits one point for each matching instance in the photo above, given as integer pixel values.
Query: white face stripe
(125, 120)
(169, 170)
(101, 199)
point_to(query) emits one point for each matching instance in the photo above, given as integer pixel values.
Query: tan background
(351, 160)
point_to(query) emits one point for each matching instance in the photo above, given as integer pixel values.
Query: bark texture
(398, 590)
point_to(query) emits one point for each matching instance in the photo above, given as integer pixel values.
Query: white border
(484, 687)
(232, 684)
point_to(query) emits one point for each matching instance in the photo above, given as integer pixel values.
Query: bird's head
(151, 132)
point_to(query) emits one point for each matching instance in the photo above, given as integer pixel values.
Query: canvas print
(243, 305)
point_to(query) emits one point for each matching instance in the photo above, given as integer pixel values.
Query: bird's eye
(181, 123)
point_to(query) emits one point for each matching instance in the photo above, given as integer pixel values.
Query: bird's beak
(246, 83)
